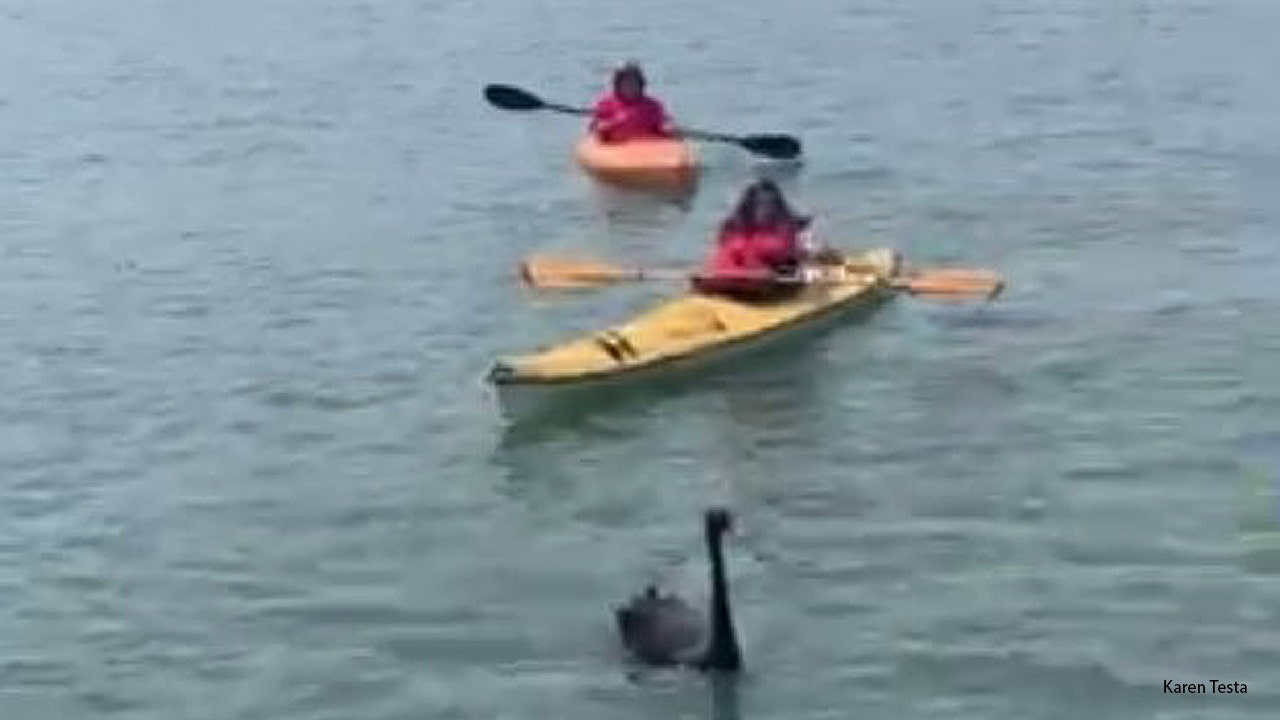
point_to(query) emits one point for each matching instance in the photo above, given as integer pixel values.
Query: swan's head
(718, 521)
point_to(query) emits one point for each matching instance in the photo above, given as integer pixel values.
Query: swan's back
(661, 630)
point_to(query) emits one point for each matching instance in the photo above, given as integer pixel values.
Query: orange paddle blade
(551, 272)
(953, 283)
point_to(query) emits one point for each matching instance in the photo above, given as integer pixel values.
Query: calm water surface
(255, 258)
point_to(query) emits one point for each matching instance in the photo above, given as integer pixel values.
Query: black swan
(661, 630)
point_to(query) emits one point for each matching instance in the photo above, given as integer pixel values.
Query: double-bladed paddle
(565, 273)
(779, 147)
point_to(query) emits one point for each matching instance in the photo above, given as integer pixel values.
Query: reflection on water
(779, 171)
(572, 410)
(772, 403)
(779, 390)
(724, 696)
(641, 208)
(768, 399)
(780, 375)
(1260, 511)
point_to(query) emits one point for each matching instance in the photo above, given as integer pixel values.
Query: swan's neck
(722, 650)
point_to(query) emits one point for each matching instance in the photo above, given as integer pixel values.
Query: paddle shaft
(509, 97)
(567, 109)
(914, 285)
(681, 131)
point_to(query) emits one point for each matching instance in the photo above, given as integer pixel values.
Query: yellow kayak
(659, 163)
(694, 327)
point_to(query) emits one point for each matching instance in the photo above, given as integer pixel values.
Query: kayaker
(627, 113)
(760, 249)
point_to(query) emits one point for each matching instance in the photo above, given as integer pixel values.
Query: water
(258, 255)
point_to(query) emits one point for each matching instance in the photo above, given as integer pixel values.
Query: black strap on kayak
(607, 344)
(624, 343)
(618, 347)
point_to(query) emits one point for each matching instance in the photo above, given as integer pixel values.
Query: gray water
(257, 255)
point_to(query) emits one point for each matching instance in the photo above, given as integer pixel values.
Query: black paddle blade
(509, 97)
(781, 147)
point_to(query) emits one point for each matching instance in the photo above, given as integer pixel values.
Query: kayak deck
(695, 325)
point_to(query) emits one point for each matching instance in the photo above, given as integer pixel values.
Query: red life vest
(615, 119)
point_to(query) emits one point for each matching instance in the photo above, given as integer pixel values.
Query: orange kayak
(657, 163)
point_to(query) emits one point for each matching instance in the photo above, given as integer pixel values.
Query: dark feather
(660, 630)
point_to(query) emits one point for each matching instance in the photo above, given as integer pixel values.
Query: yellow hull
(696, 327)
(657, 164)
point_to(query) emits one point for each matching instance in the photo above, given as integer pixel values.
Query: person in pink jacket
(761, 250)
(627, 113)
